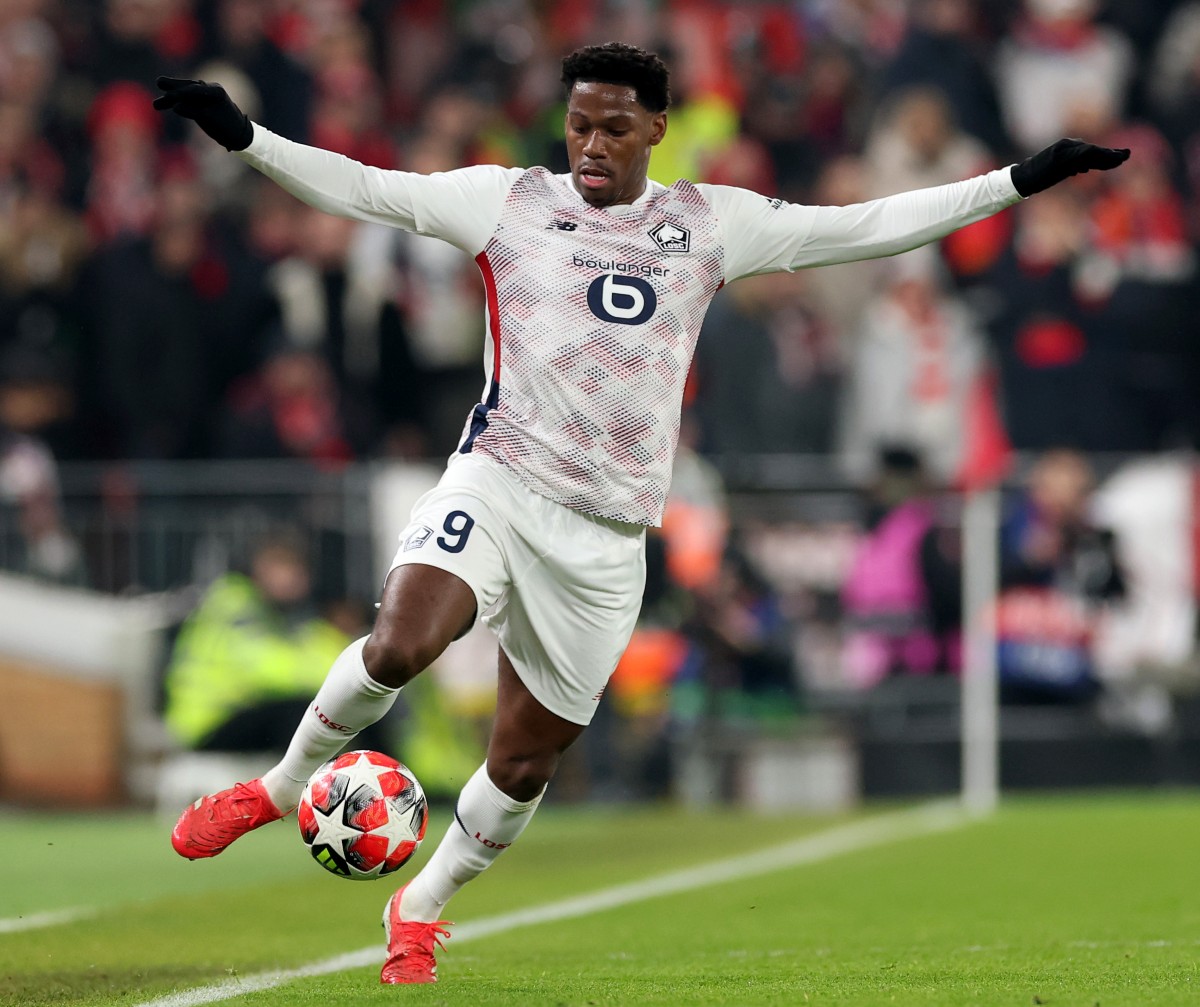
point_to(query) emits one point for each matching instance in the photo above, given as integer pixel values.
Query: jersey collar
(652, 189)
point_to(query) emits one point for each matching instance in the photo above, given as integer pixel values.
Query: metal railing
(157, 526)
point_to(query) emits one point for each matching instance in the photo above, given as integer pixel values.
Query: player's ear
(658, 128)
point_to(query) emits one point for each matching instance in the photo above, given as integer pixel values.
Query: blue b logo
(628, 300)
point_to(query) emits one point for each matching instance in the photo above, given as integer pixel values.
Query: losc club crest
(671, 237)
(417, 537)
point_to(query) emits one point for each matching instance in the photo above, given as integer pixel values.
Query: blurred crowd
(159, 300)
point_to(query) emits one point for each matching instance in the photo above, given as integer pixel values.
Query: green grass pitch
(1054, 900)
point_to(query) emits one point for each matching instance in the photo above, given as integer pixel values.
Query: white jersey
(593, 314)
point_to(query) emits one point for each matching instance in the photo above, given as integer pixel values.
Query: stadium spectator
(1145, 649)
(34, 399)
(272, 222)
(27, 160)
(1058, 571)
(1060, 381)
(1144, 267)
(291, 408)
(839, 294)
(230, 185)
(124, 148)
(236, 32)
(1172, 84)
(1057, 64)
(805, 119)
(874, 30)
(147, 302)
(944, 49)
(742, 665)
(916, 143)
(416, 44)
(133, 37)
(1138, 220)
(335, 296)
(245, 662)
(917, 357)
(29, 59)
(43, 247)
(467, 126)
(348, 100)
(709, 128)
(902, 599)
(763, 334)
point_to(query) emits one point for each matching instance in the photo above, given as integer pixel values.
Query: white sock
(348, 701)
(487, 822)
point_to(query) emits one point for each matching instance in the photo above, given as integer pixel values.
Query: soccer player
(597, 282)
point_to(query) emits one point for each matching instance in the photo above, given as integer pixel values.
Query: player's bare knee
(395, 662)
(522, 778)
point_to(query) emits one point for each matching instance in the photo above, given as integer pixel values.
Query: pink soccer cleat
(410, 946)
(212, 823)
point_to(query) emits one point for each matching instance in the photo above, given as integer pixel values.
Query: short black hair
(618, 63)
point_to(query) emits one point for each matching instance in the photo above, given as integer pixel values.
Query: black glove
(210, 107)
(1062, 159)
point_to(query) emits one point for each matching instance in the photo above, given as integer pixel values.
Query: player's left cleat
(410, 946)
(212, 823)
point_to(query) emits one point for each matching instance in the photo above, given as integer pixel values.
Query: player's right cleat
(410, 946)
(212, 823)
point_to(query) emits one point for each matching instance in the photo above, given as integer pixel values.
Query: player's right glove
(1061, 160)
(209, 107)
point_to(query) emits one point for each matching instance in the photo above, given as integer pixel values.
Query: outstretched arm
(763, 235)
(460, 206)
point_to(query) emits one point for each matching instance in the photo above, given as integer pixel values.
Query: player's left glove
(209, 107)
(1061, 160)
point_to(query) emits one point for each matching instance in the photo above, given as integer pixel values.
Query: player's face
(609, 136)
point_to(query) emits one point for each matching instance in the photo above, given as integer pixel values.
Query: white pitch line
(927, 818)
(52, 918)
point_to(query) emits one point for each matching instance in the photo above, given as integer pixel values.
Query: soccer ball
(362, 815)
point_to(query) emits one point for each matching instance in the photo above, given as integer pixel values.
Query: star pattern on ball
(362, 771)
(332, 829)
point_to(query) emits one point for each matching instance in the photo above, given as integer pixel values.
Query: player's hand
(209, 107)
(1061, 160)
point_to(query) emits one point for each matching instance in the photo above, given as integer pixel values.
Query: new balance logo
(561, 225)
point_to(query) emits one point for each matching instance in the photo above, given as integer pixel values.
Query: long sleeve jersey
(593, 313)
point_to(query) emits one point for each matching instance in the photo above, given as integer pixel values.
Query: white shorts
(560, 588)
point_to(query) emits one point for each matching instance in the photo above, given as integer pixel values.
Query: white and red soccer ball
(362, 815)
